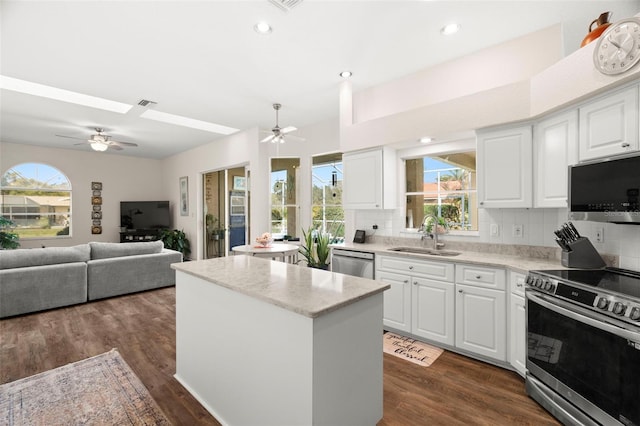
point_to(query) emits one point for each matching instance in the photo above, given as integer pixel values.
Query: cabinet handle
(410, 267)
(519, 285)
(478, 277)
(625, 145)
(406, 281)
(415, 283)
(460, 291)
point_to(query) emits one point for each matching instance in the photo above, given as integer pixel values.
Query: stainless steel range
(583, 356)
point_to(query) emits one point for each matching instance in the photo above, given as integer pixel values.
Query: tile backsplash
(537, 227)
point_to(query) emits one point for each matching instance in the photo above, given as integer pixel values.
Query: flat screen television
(142, 215)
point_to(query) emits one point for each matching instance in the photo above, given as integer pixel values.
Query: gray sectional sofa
(43, 278)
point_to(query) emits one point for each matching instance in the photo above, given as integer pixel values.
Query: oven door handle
(587, 317)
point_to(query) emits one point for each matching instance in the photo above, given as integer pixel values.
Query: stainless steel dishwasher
(353, 262)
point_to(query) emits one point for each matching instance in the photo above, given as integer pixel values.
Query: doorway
(226, 210)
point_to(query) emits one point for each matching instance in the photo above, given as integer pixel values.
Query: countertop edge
(276, 302)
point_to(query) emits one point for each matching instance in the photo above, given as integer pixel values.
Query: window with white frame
(444, 186)
(326, 190)
(284, 205)
(37, 199)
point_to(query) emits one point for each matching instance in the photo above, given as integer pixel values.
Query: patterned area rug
(102, 390)
(410, 349)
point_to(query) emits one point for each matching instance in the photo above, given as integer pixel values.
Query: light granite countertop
(307, 291)
(514, 262)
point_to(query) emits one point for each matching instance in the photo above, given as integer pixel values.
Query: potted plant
(8, 239)
(315, 248)
(176, 240)
(214, 229)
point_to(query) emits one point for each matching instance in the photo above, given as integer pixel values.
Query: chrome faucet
(434, 231)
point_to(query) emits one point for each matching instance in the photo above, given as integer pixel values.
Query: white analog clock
(618, 48)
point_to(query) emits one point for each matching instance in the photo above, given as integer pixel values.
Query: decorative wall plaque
(96, 229)
(96, 200)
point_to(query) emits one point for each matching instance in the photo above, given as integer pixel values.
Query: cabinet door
(481, 321)
(369, 179)
(433, 310)
(505, 168)
(397, 300)
(609, 125)
(555, 147)
(518, 334)
(362, 180)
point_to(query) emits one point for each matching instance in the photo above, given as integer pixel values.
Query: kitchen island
(260, 342)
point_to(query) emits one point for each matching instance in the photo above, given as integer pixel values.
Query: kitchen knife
(569, 232)
(563, 245)
(574, 230)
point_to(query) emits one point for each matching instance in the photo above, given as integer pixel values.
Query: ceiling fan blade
(123, 143)
(288, 129)
(116, 147)
(268, 138)
(71, 137)
(82, 143)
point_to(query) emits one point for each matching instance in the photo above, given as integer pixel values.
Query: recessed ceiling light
(262, 28)
(451, 28)
(43, 91)
(425, 139)
(346, 74)
(187, 122)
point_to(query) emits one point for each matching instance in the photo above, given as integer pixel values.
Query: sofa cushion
(20, 258)
(109, 250)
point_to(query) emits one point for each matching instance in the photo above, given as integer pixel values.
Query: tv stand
(140, 235)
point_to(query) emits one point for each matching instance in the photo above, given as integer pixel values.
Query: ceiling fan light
(99, 146)
(262, 28)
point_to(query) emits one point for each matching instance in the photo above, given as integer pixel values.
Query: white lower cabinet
(432, 310)
(517, 323)
(481, 311)
(468, 312)
(421, 298)
(397, 300)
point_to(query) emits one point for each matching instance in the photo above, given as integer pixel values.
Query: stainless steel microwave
(605, 191)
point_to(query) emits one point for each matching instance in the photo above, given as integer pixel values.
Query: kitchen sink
(421, 250)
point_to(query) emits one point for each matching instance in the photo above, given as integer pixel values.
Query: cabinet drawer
(480, 276)
(516, 283)
(442, 271)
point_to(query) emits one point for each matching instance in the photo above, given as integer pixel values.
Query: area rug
(410, 349)
(102, 390)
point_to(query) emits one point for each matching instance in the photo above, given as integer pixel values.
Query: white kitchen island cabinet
(260, 342)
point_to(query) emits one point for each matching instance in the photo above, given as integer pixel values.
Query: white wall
(123, 178)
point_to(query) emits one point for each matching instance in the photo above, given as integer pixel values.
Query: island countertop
(307, 291)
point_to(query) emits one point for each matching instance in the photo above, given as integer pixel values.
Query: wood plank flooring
(455, 390)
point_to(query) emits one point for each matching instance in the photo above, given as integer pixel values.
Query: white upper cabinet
(609, 125)
(369, 179)
(555, 148)
(505, 167)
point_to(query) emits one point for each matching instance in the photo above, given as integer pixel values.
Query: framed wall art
(239, 183)
(184, 196)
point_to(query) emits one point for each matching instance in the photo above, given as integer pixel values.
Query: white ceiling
(203, 60)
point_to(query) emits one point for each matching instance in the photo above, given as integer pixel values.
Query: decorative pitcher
(603, 23)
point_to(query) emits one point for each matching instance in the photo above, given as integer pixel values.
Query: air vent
(285, 5)
(147, 103)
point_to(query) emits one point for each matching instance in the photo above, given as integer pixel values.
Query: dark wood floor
(454, 390)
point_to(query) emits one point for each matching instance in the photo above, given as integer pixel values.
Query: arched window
(37, 198)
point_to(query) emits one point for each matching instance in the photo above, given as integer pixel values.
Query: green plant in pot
(215, 229)
(177, 240)
(315, 248)
(8, 239)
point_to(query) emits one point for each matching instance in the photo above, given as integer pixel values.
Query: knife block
(582, 255)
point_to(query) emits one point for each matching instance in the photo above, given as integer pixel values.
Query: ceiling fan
(278, 133)
(100, 141)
